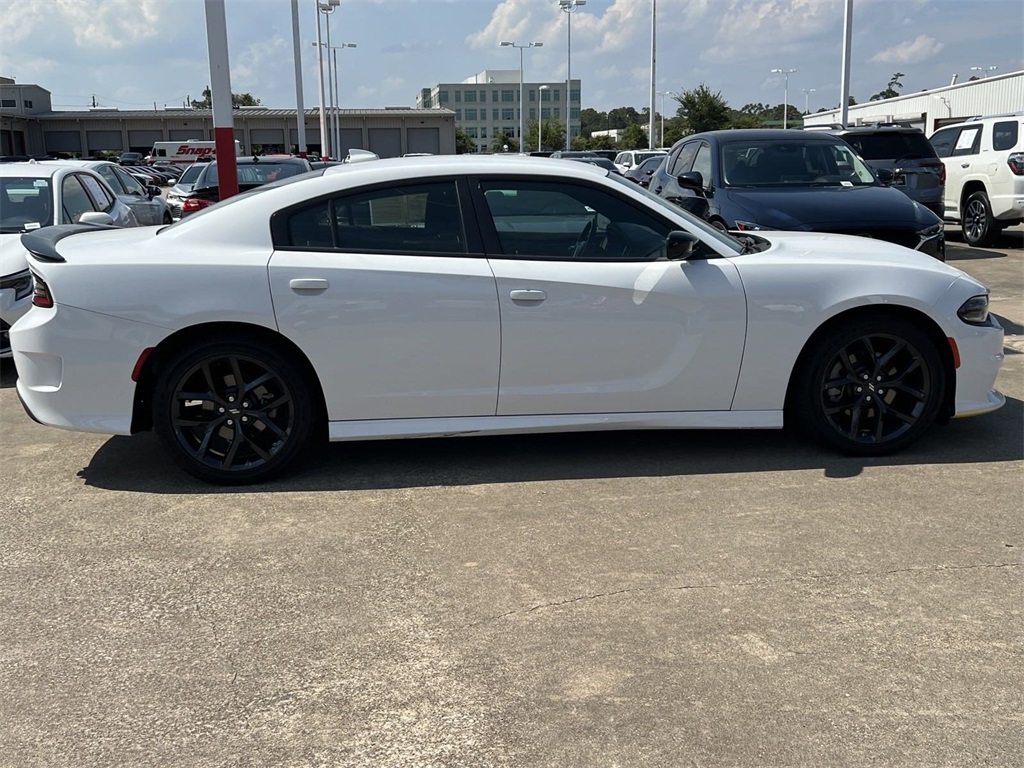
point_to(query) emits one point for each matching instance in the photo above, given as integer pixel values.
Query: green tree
(741, 119)
(501, 141)
(237, 100)
(892, 90)
(591, 120)
(702, 110)
(552, 135)
(464, 145)
(633, 137)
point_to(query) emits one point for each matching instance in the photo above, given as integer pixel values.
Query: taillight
(194, 204)
(1016, 163)
(41, 296)
(936, 164)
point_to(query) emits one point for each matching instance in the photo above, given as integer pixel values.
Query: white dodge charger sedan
(448, 295)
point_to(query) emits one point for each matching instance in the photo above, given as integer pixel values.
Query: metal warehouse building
(929, 110)
(29, 126)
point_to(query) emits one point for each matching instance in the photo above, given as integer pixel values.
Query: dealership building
(30, 126)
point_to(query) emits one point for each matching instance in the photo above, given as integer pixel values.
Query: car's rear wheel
(233, 411)
(870, 387)
(167, 218)
(978, 225)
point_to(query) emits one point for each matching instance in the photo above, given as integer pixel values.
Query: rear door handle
(308, 284)
(965, 165)
(525, 294)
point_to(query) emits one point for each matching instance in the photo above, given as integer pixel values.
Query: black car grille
(5, 337)
(905, 237)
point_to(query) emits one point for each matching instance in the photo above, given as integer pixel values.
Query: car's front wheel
(978, 225)
(870, 387)
(233, 411)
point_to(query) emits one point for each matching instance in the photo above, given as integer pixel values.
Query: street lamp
(337, 95)
(522, 139)
(663, 94)
(807, 94)
(569, 7)
(540, 114)
(327, 7)
(785, 98)
(984, 70)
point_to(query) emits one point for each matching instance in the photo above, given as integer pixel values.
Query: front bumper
(981, 355)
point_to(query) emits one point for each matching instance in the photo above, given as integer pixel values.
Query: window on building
(470, 114)
(483, 96)
(545, 112)
(509, 130)
(458, 115)
(575, 113)
(442, 97)
(471, 132)
(28, 104)
(8, 103)
(508, 96)
(556, 95)
(494, 95)
(557, 112)
(508, 114)
(533, 113)
(470, 97)
(495, 114)
(483, 133)
(458, 96)
(574, 95)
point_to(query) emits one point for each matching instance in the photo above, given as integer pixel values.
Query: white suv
(984, 160)
(633, 157)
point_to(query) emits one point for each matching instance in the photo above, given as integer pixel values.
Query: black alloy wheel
(233, 412)
(167, 218)
(871, 388)
(977, 224)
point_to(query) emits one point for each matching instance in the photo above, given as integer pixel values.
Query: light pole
(807, 95)
(540, 114)
(984, 70)
(785, 98)
(325, 7)
(663, 94)
(337, 95)
(522, 139)
(569, 7)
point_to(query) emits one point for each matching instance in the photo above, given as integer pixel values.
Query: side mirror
(691, 180)
(96, 217)
(679, 245)
(885, 176)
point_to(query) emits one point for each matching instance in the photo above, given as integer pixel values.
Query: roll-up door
(103, 141)
(184, 134)
(424, 140)
(62, 141)
(143, 140)
(386, 142)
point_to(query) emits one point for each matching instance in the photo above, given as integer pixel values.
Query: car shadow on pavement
(139, 464)
(8, 374)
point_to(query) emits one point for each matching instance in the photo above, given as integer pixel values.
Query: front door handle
(524, 294)
(965, 165)
(308, 284)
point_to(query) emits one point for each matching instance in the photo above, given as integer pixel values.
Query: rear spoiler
(42, 243)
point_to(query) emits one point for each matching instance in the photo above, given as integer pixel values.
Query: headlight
(929, 232)
(748, 226)
(974, 311)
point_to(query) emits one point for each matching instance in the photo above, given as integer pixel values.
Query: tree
(552, 134)
(237, 100)
(502, 143)
(633, 137)
(892, 90)
(702, 110)
(464, 145)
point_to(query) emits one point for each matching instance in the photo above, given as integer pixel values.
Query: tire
(226, 434)
(719, 225)
(871, 387)
(977, 224)
(167, 218)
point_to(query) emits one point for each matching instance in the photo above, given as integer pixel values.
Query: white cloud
(768, 26)
(914, 51)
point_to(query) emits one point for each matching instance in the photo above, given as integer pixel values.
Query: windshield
(263, 172)
(692, 221)
(790, 163)
(25, 204)
(191, 174)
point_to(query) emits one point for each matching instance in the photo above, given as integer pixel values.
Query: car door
(962, 163)
(594, 318)
(147, 209)
(392, 300)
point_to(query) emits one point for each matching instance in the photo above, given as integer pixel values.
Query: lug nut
(232, 423)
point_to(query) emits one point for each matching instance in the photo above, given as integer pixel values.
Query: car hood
(825, 248)
(13, 256)
(809, 208)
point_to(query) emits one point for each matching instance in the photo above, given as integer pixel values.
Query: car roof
(34, 169)
(387, 169)
(762, 134)
(268, 159)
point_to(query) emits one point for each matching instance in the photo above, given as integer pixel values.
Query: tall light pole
(337, 95)
(807, 95)
(984, 70)
(325, 7)
(522, 138)
(663, 94)
(785, 94)
(540, 114)
(300, 107)
(569, 7)
(654, 39)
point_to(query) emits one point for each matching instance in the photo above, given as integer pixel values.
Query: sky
(131, 54)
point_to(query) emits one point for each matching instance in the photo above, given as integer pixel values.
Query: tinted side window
(101, 196)
(107, 172)
(414, 218)
(968, 141)
(682, 161)
(702, 163)
(1004, 135)
(942, 141)
(75, 199)
(130, 183)
(557, 221)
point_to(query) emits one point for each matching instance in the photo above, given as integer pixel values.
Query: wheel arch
(948, 405)
(169, 348)
(968, 189)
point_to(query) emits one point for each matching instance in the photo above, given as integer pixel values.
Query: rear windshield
(191, 174)
(890, 145)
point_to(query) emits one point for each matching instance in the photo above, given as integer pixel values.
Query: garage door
(184, 134)
(143, 141)
(386, 142)
(103, 140)
(62, 141)
(424, 140)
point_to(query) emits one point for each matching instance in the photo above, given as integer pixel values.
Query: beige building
(29, 126)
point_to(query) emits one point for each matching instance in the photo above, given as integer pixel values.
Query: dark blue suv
(751, 179)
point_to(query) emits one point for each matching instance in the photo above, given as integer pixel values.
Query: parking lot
(630, 599)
